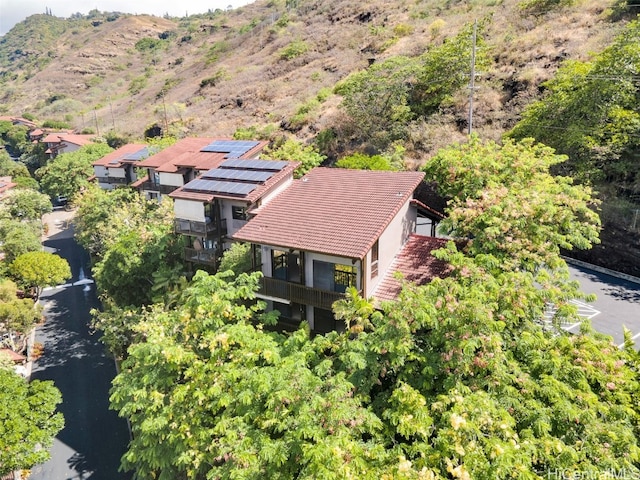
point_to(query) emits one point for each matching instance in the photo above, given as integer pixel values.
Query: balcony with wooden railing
(297, 293)
(200, 229)
(156, 187)
(201, 256)
(112, 180)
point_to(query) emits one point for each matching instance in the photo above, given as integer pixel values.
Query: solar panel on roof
(241, 175)
(139, 155)
(215, 186)
(233, 148)
(253, 164)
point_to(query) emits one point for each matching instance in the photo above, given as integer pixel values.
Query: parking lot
(617, 305)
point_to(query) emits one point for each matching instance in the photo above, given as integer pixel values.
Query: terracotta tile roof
(332, 210)
(119, 155)
(417, 265)
(251, 197)
(69, 138)
(140, 181)
(186, 153)
(5, 185)
(13, 356)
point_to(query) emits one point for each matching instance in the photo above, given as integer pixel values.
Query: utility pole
(472, 80)
(166, 123)
(95, 117)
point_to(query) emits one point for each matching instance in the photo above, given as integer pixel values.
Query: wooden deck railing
(297, 293)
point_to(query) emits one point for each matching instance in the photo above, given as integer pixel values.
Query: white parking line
(632, 338)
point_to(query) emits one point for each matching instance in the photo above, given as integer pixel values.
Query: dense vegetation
(460, 378)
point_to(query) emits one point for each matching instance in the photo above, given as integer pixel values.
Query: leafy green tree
(18, 171)
(138, 257)
(37, 270)
(382, 100)
(68, 173)
(504, 199)
(294, 151)
(377, 99)
(360, 161)
(26, 204)
(292, 420)
(17, 315)
(28, 421)
(17, 139)
(237, 258)
(102, 215)
(591, 114)
(18, 238)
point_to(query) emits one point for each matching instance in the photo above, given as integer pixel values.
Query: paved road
(617, 304)
(94, 438)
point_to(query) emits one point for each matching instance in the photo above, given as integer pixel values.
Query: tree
(18, 238)
(237, 258)
(26, 204)
(17, 316)
(28, 421)
(382, 100)
(360, 161)
(37, 270)
(228, 397)
(138, 257)
(294, 151)
(505, 201)
(591, 114)
(68, 173)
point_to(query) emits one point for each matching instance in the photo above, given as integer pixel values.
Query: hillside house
(58, 143)
(177, 165)
(212, 207)
(336, 228)
(118, 168)
(5, 185)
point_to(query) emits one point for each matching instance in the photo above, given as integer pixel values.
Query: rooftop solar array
(273, 165)
(139, 155)
(215, 186)
(232, 148)
(239, 175)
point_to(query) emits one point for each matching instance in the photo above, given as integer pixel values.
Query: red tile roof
(5, 185)
(13, 356)
(120, 154)
(417, 265)
(69, 138)
(186, 154)
(332, 210)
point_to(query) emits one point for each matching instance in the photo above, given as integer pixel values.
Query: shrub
(293, 50)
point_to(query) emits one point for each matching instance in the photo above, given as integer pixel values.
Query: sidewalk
(56, 222)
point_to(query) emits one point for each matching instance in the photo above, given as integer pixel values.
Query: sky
(14, 11)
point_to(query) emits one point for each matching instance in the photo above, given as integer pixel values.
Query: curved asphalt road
(94, 437)
(617, 304)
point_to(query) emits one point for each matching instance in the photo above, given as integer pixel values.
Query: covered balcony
(297, 293)
(201, 229)
(202, 256)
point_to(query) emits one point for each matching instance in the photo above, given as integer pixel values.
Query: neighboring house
(336, 228)
(18, 121)
(61, 142)
(177, 165)
(5, 185)
(118, 168)
(212, 207)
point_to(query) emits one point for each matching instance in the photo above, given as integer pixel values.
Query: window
(344, 276)
(238, 213)
(374, 259)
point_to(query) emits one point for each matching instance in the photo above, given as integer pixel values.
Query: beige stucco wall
(390, 243)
